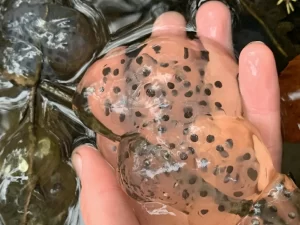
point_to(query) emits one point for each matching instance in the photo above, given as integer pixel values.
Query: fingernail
(258, 42)
(77, 163)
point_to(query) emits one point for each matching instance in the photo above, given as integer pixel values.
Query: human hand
(102, 200)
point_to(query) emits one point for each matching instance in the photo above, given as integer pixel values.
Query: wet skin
(234, 165)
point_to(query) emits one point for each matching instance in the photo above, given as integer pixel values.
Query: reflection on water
(46, 46)
(36, 172)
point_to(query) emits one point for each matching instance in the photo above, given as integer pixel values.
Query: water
(46, 46)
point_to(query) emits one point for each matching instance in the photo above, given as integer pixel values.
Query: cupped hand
(103, 202)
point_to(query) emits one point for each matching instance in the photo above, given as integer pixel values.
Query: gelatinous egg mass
(175, 106)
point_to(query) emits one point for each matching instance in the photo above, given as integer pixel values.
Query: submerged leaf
(37, 134)
(289, 81)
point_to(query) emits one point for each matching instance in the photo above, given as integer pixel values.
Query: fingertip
(213, 21)
(169, 23)
(83, 150)
(85, 159)
(258, 77)
(258, 49)
(82, 155)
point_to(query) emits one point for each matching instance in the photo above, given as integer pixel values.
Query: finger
(169, 23)
(260, 92)
(101, 199)
(213, 21)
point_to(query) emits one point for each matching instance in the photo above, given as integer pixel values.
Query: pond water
(45, 48)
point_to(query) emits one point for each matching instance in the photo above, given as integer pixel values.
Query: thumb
(101, 199)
